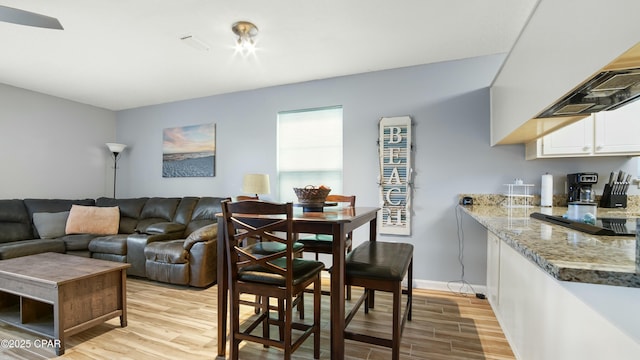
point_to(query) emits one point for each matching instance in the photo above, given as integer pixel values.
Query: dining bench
(381, 266)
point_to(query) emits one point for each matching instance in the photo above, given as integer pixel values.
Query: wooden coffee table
(57, 295)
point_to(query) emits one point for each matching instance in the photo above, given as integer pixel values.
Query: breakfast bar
(558, 292)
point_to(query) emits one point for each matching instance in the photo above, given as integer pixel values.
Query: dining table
(337, 222)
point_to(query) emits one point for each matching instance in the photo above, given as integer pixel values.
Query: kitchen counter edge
(525, 243)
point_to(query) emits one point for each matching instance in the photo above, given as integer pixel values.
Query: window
(309, 150)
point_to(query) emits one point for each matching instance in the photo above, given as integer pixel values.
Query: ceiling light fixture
(245, 31)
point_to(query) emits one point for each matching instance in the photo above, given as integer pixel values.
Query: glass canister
(582, 211)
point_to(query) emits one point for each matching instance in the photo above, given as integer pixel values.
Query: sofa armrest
(203, 262)
(205, 233)
(163, 228)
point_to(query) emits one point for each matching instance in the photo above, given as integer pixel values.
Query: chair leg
(287, 327)
(300, 301)
(410, 289)
(235, 327)
(258, 302)
(281, 318)
(349, 286)
(265, 322)
(366, 300)
(317, 294)
(397, 322)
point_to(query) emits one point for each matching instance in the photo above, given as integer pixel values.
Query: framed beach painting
(189, 151)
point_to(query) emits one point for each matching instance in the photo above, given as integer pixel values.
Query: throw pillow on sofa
(93, 220)
(50, 225)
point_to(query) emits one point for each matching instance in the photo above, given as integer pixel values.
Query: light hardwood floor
(174, 322)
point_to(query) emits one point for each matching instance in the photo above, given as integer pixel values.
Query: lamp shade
(115, 147)
(256, 184)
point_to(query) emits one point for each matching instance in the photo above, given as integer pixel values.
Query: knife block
(609, 200)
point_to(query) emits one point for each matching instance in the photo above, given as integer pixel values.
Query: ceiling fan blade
(22, 17)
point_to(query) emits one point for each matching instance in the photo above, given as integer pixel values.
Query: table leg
(58, 330)
(222, 290)
(123, 300)
(338, 293)
(373, 228)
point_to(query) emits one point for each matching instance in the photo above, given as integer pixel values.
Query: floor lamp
(116, 149)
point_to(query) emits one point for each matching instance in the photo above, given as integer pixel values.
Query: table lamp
(256, 184)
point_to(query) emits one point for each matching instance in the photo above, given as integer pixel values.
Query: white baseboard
(452, 286)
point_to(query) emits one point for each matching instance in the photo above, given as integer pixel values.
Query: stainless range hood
(608, 90)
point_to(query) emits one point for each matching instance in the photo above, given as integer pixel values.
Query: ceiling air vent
(607, 90)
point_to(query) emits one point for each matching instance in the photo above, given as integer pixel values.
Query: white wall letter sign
(395, 175)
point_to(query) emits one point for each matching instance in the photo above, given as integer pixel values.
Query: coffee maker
(579, 187)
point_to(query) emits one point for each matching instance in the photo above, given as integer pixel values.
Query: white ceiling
(120, 54)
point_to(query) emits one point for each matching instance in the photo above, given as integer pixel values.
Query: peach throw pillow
(93, 220)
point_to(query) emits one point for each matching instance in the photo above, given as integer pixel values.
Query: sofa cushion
(50, 225)
(185, 209)
(205, 213)
(30, 247)
(93, 220)
(110, 244)
(130, 210)
(164, 228)
(163, 208)
(15, 222)
(171, 252)
(77, 242)
(52, 206)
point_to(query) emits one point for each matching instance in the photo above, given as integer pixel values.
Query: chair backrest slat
(268, 221)
(349, 199)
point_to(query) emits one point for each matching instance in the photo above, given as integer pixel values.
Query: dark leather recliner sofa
(143, 221)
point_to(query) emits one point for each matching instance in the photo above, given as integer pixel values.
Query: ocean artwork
(189, 151)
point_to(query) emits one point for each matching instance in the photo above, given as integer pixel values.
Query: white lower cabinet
(493, 268)
(544, 318)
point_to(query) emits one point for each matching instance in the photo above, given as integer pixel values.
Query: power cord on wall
(464, 287)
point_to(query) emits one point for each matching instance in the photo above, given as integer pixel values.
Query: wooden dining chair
(322, 243)
(281, 275)
(265, 249)
(246, 197)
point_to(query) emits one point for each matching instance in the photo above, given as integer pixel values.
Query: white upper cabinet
(618, 131)
(606, 133)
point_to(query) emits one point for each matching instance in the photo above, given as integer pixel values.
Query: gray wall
(449, 104)
(51, 147)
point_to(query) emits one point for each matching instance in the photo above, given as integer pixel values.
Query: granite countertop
(565, 254)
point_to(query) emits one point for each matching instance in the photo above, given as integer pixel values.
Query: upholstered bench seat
(379, 260)
(381, 266)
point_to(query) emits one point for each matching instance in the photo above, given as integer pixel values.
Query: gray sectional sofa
(188, 225)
